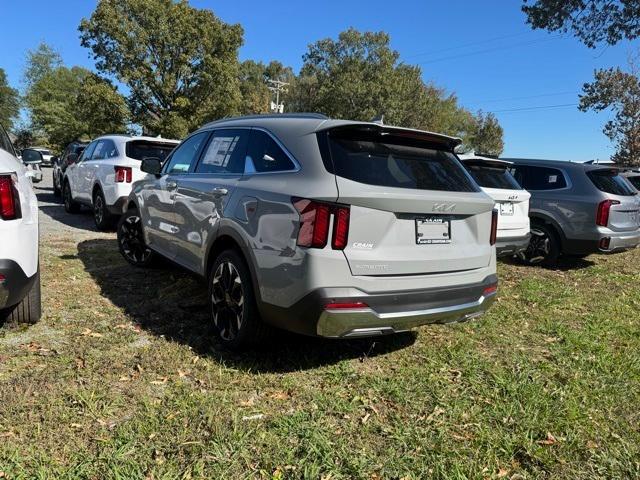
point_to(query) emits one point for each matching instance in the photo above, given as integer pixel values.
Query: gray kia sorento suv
(322, 227)
(577, 209)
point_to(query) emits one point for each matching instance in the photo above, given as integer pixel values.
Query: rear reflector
(2, 279)
(314, 223)
(604, 243)
(494, 227)
(602, 215)
(123, 174)
(490, 290)
(9, 201)
(345, 305)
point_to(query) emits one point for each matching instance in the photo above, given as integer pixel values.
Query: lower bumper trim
(512, 245)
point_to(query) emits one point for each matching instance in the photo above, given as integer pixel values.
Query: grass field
(121, 380)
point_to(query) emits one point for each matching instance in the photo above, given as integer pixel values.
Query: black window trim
(192, 167)
(567, 178)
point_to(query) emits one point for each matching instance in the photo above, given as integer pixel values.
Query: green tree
(40, 61)
(485, 135)
(592, 21)
(254, 90)
(358, 76)
(619, 91)
(179, 63)
(71, 103)
(9, 102)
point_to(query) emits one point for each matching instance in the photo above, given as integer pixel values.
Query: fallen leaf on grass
(550, 440)
(160, 381)
(88, 333)
(280, 395)
(257, 416)
(503, 472)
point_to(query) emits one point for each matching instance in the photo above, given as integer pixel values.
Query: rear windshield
(610, 181)
(141, 149)
(493, 177)
(635, 181)
(377, 158)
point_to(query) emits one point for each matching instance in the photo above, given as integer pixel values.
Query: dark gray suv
(319, 226)
(577, 209)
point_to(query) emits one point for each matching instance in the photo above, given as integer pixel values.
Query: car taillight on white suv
(314, 223)
(9, 198)
(602, 215)
(123, 174)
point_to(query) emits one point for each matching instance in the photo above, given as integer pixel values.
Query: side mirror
(151, 165)
(29, 155)
(72, 158)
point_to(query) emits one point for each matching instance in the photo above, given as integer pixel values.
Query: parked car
(322, 227)
(47, 156)
(61, 163)
(101, 178)
(32, 160)
(512, 201)
(577, 209)
(19, 274)
(633, 177)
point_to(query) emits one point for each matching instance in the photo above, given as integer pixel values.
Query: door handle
(219, 191)
(172, 185)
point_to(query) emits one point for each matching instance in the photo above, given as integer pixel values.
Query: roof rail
(311, 115)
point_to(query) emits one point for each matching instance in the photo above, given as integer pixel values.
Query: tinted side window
(267, 155)
(610, 181)
(186, 154)
(5, 143)
(105, 149)
(225, 152)
(635, 181)
(540, 178)
(87, 152)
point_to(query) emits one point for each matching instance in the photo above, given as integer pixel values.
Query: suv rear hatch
(414, 208)
(622, 200)
(512, 201)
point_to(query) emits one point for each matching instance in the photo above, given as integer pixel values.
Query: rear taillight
(314, 223)
(9, 199)
(123, 174)
(602, 215)
(494, 227)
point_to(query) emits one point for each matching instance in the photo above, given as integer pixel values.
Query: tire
(131, 240)
(29, 310)
(232, 303)
(101, 215)
(544, 247)
(70, 206)
(57, 192)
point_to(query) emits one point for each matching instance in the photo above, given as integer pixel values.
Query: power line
(528, 97)
(541, 107)
(465, 45)
(489, 50)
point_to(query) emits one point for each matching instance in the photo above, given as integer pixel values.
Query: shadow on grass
(565, 263)
(172, 303)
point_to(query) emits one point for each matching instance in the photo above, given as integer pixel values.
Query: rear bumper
(118, 208)
(620, 242)
(16, 283)
(385, 312)
(512, 245)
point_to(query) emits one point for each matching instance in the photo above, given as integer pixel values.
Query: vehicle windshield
(610, 181)
(392, 160)
(141, 149)
(492, 177)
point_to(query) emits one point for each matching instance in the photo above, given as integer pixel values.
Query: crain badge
(362, 246)
(443, 207)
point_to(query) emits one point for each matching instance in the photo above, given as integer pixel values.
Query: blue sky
(483, 51)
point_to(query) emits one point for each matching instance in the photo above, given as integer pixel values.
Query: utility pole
(277, 86)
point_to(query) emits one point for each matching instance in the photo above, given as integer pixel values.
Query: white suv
(19, 274)
(102, 176)
(512, 201)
